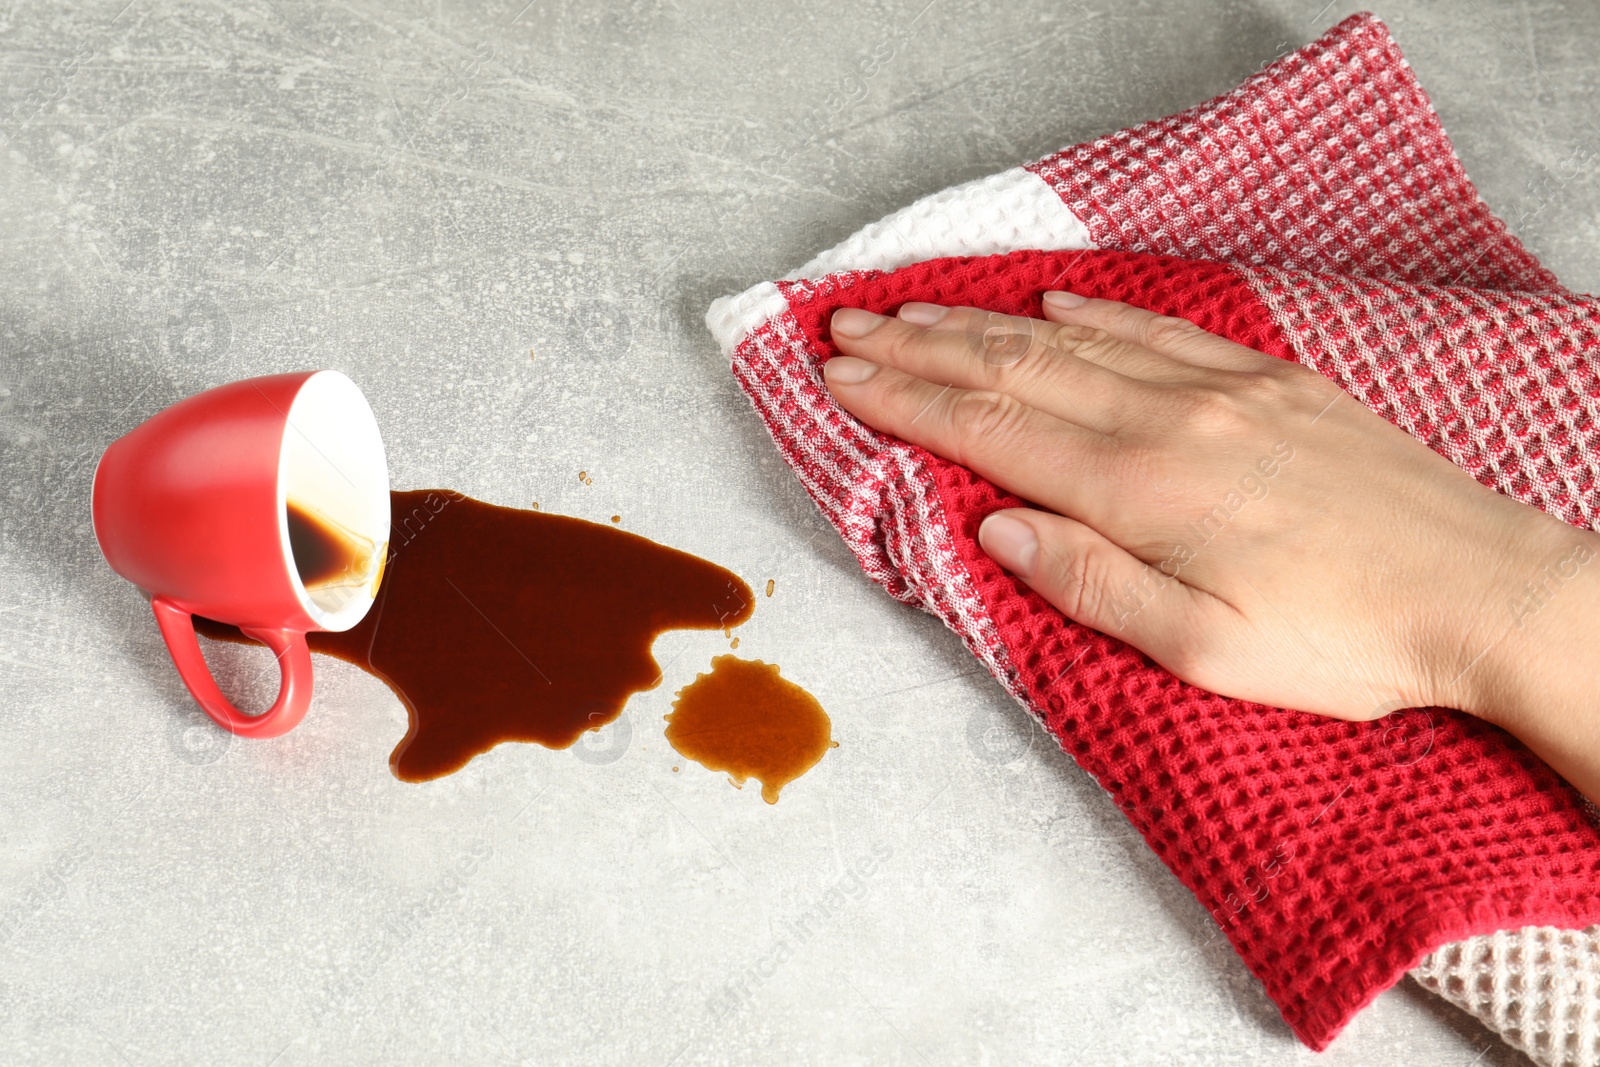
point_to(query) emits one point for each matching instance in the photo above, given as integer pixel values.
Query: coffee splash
(746, 719)
(495, 624)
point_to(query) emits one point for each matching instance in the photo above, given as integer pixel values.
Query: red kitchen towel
(1322, 216)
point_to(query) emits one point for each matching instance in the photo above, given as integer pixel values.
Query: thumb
(1096, 582)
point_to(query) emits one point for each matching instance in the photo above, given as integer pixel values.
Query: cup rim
(357, 605)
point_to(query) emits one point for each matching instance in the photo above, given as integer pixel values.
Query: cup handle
(294, 663)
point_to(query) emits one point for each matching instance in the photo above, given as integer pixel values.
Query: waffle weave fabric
(1317, 213)
(1537, 987)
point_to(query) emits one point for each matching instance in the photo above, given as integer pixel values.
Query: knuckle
(1254, 389)
(1081, 593)
(1167, 332)
(1086, 342)
(1296, 383)
(1088, 590)
(1000, 341)
(899, 345)
(1212, 412)
(1080, 584)
(1262, 382)
(984, 417)
(1027, 367)
(899, 392)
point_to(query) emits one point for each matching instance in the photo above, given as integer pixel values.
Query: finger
(1004, 340)
(1064, 466)
(1096, 582)
(1175, 338)
(1013, 359)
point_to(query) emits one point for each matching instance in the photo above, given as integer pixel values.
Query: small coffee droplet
(770, 585)
(535, 505)
(735, 643)
(675, 770)
(531, 354)
(616, 518)
(583, 476)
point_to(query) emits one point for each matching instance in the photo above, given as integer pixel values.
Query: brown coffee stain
(326, 553)
(747, 720)
(322, 554)
(496, 624)
(771, 585)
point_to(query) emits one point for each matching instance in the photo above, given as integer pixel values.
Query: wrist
(1538, 673)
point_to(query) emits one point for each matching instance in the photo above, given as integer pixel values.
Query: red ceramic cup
(262, 503)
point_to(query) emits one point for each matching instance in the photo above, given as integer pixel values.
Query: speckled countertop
(421, 195)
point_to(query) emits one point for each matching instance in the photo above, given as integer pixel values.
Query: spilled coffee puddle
(748, 720)
(495, 624)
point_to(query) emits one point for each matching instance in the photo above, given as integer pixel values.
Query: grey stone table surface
(421, 194)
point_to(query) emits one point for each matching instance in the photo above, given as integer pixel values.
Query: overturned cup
(263, 504)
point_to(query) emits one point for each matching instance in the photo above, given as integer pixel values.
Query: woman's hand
(1241, 520)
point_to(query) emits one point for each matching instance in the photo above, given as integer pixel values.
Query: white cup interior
(332, 470)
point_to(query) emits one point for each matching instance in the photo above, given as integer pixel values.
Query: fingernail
(1010, 542)
(1064, 301)
(919, 314)
(853, 322)
(848, 370)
